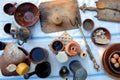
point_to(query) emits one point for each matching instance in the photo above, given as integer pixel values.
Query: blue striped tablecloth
(42, 39)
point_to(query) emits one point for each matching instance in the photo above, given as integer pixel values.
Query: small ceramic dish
(26, 14)
(72, 48)
(88, 24)
(101, 36)
(56, 46)
(114, 61)
(9, 8)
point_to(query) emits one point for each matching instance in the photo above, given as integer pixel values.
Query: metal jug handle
(20, 42)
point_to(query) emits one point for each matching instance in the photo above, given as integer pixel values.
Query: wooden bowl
(107, 34)
(56, 46)
(26, 14)
(88, 24)
(105, 59)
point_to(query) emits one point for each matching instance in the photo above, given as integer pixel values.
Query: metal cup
(23, 35)
(2, 45)
(79, 73)
(14, 30)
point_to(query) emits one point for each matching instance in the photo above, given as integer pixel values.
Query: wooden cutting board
(108, 10)
(4, 64)
(67, 9)
(109, 15)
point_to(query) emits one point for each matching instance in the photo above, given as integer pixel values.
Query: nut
(113, 60)
(116, 56)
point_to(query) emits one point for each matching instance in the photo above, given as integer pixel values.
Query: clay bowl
(26, 14)
(38, 55)
(5, 64)
(107, 34)
(105, 59)
(116, 70)
(72, 48)
(56, 46)
(88, 24)
(9, 8)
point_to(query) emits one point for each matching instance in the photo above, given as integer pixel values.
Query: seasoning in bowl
(101, 36)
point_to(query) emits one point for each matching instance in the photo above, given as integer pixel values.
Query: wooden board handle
(84, 7)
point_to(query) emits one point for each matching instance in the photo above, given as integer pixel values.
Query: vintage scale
(108, 10)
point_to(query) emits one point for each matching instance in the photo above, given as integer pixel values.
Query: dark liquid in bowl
(57, 45)
(7, 28)
(37, 54)
(9, 9)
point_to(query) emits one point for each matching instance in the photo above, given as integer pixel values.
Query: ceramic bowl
(9, 8)
(26, 14)
(107, 34)
(105, 59)
(88, 24)
(56, 46)
(116, 70)
(38, 55)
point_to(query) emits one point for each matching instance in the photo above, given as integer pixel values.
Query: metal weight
(64, 72)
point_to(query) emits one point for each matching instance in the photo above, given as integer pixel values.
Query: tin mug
(23, 35)
(10, 28)
(79, 73)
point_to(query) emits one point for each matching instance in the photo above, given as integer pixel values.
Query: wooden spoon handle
(91, 8)
(84, 7)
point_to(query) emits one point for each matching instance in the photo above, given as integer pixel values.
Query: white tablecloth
(42, 39)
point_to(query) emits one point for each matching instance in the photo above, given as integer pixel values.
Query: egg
(116, 65)
(119, 60)
(116, 56)
(113, 60)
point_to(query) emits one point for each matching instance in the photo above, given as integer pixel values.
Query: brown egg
(116, 56)
(113, 60)
(119, 60)
(116, 65)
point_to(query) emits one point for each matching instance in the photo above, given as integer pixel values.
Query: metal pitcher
(21, 34)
